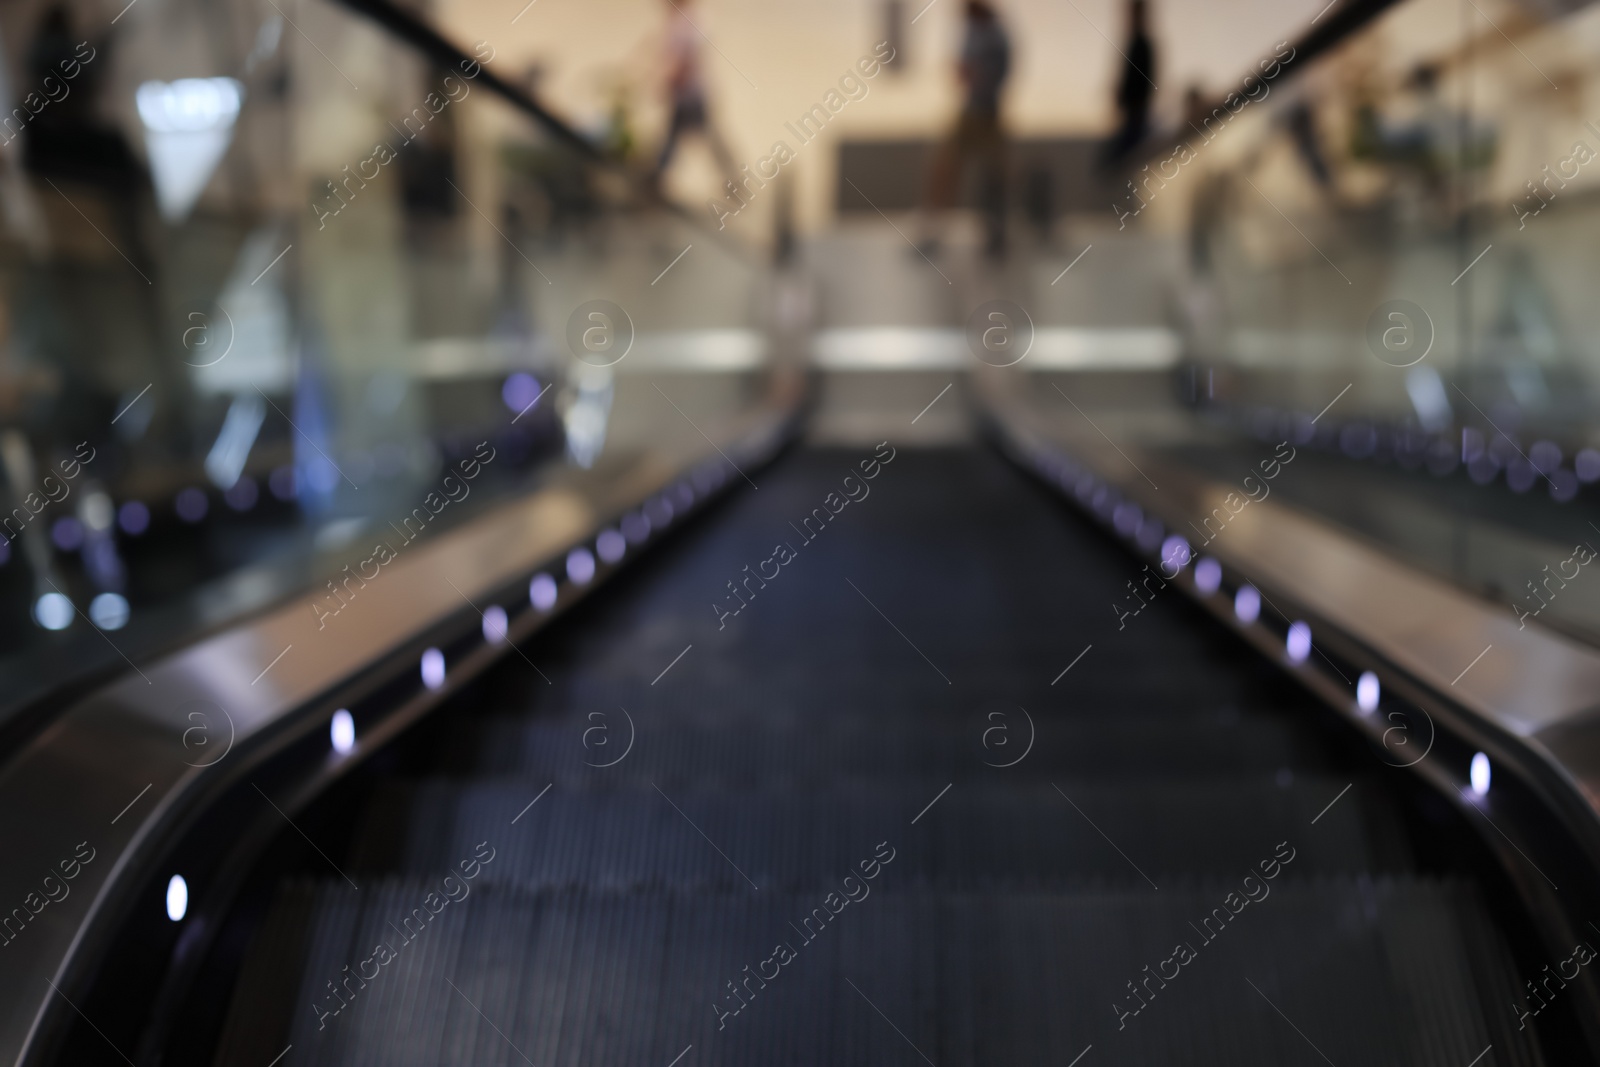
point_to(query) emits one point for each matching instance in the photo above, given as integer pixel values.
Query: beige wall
(779, 58)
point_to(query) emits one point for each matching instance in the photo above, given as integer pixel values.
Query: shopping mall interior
(442, 620)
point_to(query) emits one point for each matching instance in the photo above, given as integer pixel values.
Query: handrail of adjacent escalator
(1327, 32)
(408, 27)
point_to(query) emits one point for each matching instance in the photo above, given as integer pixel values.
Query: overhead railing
(414, 31)
(411, 29)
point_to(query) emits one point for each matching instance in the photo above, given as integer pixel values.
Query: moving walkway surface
(924, 798)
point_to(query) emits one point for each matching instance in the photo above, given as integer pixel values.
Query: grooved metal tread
(997, 835)
(571, 745)
(779, 749)
(1368, 972)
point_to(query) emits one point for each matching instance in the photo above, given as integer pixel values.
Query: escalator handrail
(99, 753)
(1546, 750)
(414, 31)
(407, 27)
(1345, 20)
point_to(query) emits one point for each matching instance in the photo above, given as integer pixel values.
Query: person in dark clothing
(1136, 88)
(984, 65)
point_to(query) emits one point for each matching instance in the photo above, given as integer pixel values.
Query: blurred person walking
(1135, 90)
(686, 94)
(983, 66)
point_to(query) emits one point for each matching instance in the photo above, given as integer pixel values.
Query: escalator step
(1005, 837)
(1355, 972)
(1015, 916)
(723, 684)
(764, 746)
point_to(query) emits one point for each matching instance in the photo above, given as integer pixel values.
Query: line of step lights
(582, 564)
(1207, 578)
(1481, 456)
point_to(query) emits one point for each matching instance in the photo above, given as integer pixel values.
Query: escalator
(918, 797)
(711, 731)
